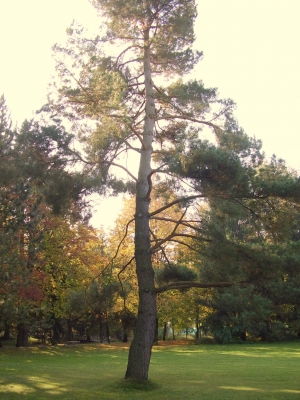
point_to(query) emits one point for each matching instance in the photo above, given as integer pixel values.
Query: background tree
(253, 241)
(34, 183)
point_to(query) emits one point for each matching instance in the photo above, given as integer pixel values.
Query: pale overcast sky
(251, 53)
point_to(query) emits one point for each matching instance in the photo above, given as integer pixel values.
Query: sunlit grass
(94, 371)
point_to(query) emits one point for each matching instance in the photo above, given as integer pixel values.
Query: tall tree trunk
(140, 350)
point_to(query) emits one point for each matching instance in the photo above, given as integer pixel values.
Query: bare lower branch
(161, 248)
(185, 244)
(116, 253)
(246, 207)
(177, 201)
(184, 117)
(184, 223)
(129, 146)
(104, 162)
(124, 168)
(174, 234)
(125, 51)
(129, 61)
(191, 284)
(120, 281)
(138, 136)
(125, 266)
(149, 179)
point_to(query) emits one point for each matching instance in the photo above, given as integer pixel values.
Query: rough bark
(140, 350)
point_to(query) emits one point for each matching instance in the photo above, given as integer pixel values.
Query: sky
(251, 54)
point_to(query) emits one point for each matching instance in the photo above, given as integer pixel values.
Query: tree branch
(139, 137)
(125, 51)
(124, 267)
(174, 234)
(191, 284)
(161, 248)
(184, 223)
(116, 254)
(196, 196)
(122, 167)
(129, 61)
(199, 121)
(186, 245)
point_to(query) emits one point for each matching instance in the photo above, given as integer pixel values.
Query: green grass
(94, 371)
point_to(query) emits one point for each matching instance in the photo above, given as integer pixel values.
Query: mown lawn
(94, 371)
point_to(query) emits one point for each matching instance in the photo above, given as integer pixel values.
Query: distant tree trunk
(88, 337)
(164, 332)
(125, 326)
(101, 327)
(6, 335)
(173, 331)
(69, 330)
(125, 337)
(22, 335)
(119, 334)
(57, 330)
(186, 333)
(197, 323)
(197, 329)
(44, 333)
(107, 332)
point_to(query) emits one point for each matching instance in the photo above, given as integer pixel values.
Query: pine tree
(137, 101)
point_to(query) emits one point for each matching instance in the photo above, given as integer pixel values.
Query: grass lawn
(95, 371)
